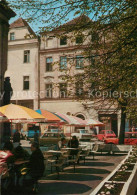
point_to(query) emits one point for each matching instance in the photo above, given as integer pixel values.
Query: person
(6, 155)
(16, 138)
(36, 137)
(21, 154)
(36, 162)
(62, 143)
(73, 143)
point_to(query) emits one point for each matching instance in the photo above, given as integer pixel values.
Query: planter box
(129, 185)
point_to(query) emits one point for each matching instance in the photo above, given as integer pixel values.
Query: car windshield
(83, 131)
(54, 130)
(109, 132)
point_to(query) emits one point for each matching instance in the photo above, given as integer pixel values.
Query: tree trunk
(122, 126)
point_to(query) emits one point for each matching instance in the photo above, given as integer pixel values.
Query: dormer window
(12, 36)
(79, 39)
(63, 40)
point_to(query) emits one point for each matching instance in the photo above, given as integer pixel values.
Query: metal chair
(74, 160)
(94, 150)
(84, 154)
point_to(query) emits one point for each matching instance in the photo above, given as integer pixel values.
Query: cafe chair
(84, 154)
(74, 160)
(59, 165)
(48, 160)
(94, 150)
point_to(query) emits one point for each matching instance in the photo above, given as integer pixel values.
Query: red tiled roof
(19, 23)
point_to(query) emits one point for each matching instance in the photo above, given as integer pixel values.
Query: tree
(112, 52)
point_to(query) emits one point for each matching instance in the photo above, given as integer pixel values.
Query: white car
(82, 134)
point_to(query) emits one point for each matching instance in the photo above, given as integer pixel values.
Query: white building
(35, 70)
(23, 64)
(59, 56)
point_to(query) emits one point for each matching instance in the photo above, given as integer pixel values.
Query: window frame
(63, 40)
(49, 90)
(26, 56)
(48, 67)
(79, 85)
(63, 90)
(78, 60)
(26, 83)
(63, 62)
(78, 41)
(12, 36)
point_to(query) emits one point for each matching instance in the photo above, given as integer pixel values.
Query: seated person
(62, 143)
(6, 155)
(73, 143)
(21, 154)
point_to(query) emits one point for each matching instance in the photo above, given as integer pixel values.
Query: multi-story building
(61, 56)
(23, 64)
(37, 73)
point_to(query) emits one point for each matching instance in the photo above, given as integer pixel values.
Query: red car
(103, 134)
(130, 139)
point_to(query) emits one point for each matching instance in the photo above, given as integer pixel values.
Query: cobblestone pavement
(85, 178)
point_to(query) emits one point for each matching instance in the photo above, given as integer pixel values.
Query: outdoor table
(56, 153)
(70, 148)
(19, 162)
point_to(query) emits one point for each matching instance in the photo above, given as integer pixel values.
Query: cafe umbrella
(20, 114)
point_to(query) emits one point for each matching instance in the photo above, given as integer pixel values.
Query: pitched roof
(20, 22)
(76, 23)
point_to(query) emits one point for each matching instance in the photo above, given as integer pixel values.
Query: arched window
(80, 116)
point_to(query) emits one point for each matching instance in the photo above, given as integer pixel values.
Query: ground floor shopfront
(109, 117)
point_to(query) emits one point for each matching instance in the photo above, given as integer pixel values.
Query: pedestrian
(36, 137)
(16, 139)
(36, 162)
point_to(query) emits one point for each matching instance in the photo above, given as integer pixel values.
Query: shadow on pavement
(87, 171)
(100, 164)
(73, 176)
(62, 188)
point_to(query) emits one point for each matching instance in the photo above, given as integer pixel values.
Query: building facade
(23, 64)
(37, 73)
(61, 56)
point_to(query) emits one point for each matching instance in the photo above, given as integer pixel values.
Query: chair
(48, 159)
(94, 150)
(74, 160)
(84, 154)
(59, 164)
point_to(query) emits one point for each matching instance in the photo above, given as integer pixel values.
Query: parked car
(103, 134)
(49, 138)
(82, 134)
(130, 139)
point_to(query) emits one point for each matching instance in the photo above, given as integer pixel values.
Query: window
(63, 90)
(63, 62)
(49, 90)
(63, 40)
(79, 39)
(12, 36)
(26, 83)
(26, 56)
(95, 36)
(79, 88)
(49, 64)
(79, 62)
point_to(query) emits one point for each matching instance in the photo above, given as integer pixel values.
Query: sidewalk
(85, 178)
